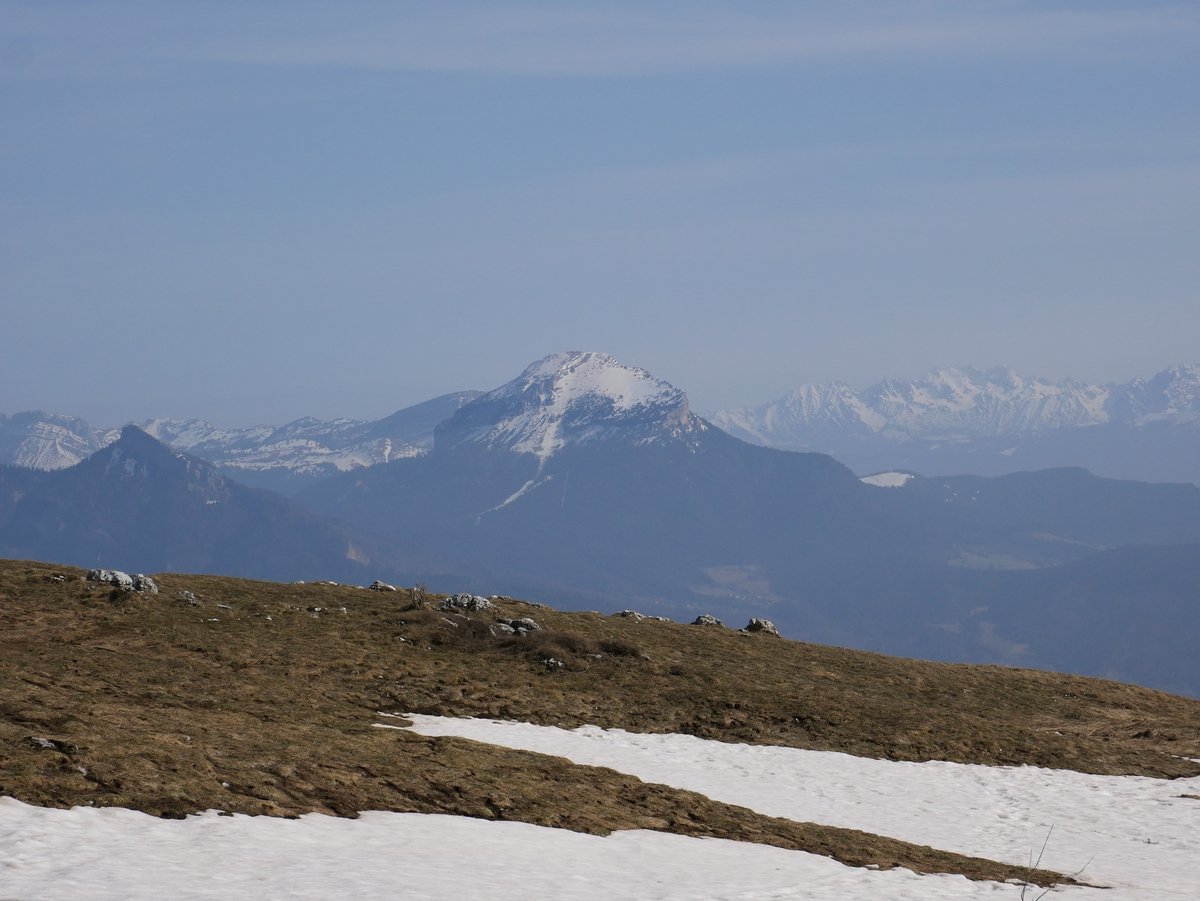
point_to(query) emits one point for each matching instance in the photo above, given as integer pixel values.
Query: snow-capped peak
(576, 375)
(572, 398)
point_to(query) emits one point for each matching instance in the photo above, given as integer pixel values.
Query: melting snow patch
(888, 479)
(110, 853)
(1142, 839)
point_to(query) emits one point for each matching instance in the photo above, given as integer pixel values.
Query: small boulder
(142, 582)
(631, 614)
(381, 586)
(706, 619)
(113, 577)
(466, 602)
(525, 624)
(764, 626)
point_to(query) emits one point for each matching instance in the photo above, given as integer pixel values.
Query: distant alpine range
(949, 421)
(587, 483)
(989, 423)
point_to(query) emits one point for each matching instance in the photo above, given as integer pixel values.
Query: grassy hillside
(260, 698)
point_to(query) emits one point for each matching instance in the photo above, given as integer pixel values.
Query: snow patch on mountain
(305, 445)
(572, 398)
(888, 479)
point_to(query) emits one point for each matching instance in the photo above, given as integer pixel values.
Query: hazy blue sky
(251, 211)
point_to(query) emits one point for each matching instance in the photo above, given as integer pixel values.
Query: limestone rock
(113, 577)
(764, 626)
(142, 582)
(466, 602)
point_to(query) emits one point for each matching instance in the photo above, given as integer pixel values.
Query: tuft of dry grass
(260, 698)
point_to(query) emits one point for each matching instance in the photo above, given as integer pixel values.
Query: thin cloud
(615, 42)
(128, 36)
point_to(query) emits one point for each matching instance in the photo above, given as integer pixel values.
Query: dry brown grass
(261, 699)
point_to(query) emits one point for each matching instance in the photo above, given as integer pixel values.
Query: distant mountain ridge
(950, 421)
(989, 423)
(141, 505)
(279, 457)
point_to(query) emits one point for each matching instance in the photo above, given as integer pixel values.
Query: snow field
(1141, 838)
(1145, 839)
(114, 855)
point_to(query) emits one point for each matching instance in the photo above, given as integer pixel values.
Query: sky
(251, 212)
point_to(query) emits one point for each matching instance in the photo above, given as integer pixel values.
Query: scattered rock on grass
(381, 586)
(142, 582)
(123, 581)
(706, 619)
(466, 602)
(638, 617)
(764, 626)
(522, 626)
(111, 577)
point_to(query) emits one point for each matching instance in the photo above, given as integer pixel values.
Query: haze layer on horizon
(253, 212)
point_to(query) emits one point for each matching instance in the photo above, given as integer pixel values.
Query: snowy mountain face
(305, 447)
(1171, 396)
(987, 422)
(960, 402)
(945, 403)
(572, 398)
(38, 440)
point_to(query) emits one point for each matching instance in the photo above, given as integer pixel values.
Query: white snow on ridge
(1142, 839)
(577, 374)
(963, 403)
(888, 479)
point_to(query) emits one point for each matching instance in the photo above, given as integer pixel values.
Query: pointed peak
(134, 437)
(136, 444)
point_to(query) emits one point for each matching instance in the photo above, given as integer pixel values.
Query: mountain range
(989, 423)
(157, 510)
(588, 483)
(949, 421)
(282, 458)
